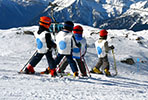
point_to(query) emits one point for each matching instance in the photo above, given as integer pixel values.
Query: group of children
(71, 47)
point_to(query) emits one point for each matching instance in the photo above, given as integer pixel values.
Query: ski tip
(112, 75)
(21, 72)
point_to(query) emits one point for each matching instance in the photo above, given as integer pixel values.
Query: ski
(46, 74)
(36, 73)
(112, 75)
(59, 75)
(77, 77)
(39, 74)
(64, 74)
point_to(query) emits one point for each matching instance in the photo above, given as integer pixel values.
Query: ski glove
(112, 47)
(55, 46)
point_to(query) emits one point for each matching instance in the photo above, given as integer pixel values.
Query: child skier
(44, 47)
(64, 45)
(102, 50)
(78, 52)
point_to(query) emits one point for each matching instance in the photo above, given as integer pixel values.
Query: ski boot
(47, 71)
(53, 72)
(60, 71)
(84, 74)
(96, 70)
(75, 74)
(29, 70)
(107, 73)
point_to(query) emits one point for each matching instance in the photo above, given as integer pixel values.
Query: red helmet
(45, 21)
(103, 33)
(78, 29)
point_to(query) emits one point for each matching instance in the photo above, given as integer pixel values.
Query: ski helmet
(103, 33)
(68, 25)
(78, 30)
(45, 21)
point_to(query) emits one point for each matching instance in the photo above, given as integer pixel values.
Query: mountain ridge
(97, 13)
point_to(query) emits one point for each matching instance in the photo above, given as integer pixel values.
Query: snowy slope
(130, 84)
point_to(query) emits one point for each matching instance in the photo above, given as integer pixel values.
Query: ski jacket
(102, 47)
(79, 52)
(43, 40)
(64, 42)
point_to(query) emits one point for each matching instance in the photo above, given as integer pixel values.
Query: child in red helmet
(102, 50)
(78, 52)
(44, 47)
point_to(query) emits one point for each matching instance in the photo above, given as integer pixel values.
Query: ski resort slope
(131, 83)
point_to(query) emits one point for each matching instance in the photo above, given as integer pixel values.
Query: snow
(130, 84)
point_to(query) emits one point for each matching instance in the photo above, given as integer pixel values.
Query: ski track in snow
(17, 49)
(42, 87)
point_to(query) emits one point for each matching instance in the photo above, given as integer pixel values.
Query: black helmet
(68, 25)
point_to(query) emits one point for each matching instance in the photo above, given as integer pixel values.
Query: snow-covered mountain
(15, 13)
(110, 14)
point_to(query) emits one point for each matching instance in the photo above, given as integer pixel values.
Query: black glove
(54, 45)
(112, 47)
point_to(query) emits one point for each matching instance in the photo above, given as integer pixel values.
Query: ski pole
(29, 60)
(63, 60)
(114, 62)
(82, 67)
(86, 67)
(138, 61)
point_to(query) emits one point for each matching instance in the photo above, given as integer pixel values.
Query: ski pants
(36, 59)
(80, 63)
(69, 60)
(103, 63)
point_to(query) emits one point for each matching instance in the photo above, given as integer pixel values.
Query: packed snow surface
(131, 83)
